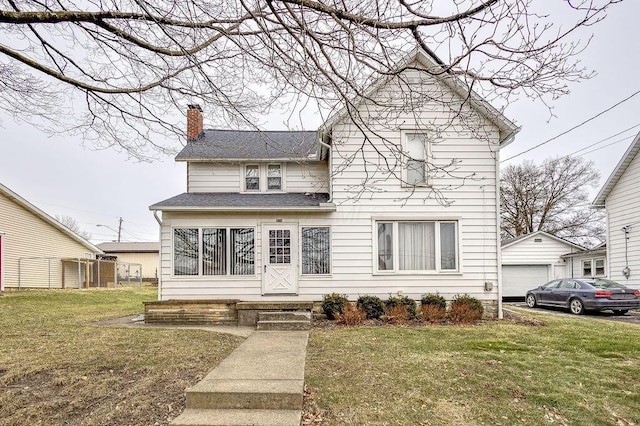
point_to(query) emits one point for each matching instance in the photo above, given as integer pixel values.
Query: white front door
(279, 256)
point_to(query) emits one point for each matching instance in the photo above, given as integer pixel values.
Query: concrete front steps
(261, 384)
(284, 320)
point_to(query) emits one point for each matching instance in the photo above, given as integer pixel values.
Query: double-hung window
(214, 251)
(593, 268)
(274, 177)
(252, 177)
(316, 250)
(416, 159)
(417, 246)
(586, 268)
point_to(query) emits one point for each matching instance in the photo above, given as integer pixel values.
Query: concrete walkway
(260, 383)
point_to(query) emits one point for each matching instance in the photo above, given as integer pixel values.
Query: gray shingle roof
(130, 247)
(242, 144)
(231, 201)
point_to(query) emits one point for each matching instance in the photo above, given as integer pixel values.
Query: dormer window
(252, 177)
(274, 177)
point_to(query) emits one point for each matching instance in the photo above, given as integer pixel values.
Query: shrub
(405, 301)
(398, 315)
(333, 304)
(432, 313)
(433, 299)
(373, 306)
(351, 316)
(465, 310)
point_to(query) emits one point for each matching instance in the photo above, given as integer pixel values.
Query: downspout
(330, 161)
(498, 245)
(155, 215)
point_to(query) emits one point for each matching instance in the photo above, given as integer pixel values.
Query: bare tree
(73, 225)
(119, 72)
(551, 197)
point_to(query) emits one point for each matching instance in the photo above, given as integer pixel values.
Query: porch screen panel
(214, 251)
(316, 250)
(416, 246)
(185, 251)
(447, 246)
(242, 251)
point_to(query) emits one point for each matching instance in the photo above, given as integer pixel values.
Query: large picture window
(220, 251)
(417, 246)
(316, 250)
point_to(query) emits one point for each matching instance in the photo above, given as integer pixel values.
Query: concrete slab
(192, 417)
(128, 322)
(266, 372)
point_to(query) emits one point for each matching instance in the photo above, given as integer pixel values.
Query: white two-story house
(372, 203)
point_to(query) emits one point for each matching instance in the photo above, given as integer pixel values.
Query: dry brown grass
(58, 369)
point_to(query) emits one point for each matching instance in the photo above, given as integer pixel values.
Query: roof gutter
(330, 161)
(326, 206)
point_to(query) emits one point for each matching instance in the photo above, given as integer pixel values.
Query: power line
(606, 139)
(573, 128)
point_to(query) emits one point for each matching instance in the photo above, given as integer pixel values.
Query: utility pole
(119, 228)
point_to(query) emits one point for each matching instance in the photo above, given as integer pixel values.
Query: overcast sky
(62, 177)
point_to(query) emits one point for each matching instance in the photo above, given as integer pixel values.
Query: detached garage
(532, 260)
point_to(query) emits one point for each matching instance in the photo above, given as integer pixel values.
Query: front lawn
(58, 369)
(571, 371)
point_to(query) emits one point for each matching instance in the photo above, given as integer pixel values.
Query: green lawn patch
(571, 371)
(56, 368)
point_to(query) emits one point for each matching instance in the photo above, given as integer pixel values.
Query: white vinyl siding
(623, 209)
(224, 177)
(30, 238)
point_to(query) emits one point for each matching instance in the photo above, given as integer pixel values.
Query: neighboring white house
(292, 215)
(142, 253)
(533, 259)
(32, 244)
(620, 198)
(587, 263)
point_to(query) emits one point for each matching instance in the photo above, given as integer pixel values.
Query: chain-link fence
(55, 272)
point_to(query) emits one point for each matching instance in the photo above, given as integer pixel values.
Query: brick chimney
(194, 122)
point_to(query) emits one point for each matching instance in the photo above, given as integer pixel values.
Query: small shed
(143, 253)
(533, 259)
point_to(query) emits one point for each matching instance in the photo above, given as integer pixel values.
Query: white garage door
(517, 279)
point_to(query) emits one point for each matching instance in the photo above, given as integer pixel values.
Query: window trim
(200, 275)
(263, 178)
(330, 273)
(404, 134)
(438, 258)
(592, 268)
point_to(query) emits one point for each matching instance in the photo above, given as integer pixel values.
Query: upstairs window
(416, 161)
(274, 177)
(252, 177)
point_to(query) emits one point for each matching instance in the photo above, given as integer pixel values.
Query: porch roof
(225, 201)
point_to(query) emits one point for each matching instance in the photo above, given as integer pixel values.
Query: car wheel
(531, 301)
(576, 306)
(620, 311)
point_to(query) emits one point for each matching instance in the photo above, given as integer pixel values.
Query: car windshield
(601, 283)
